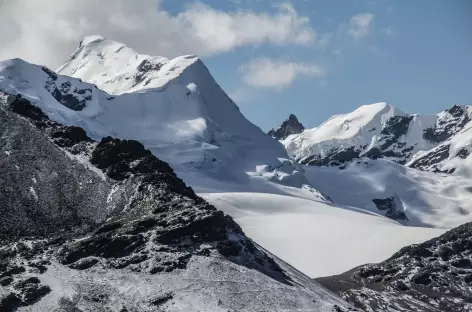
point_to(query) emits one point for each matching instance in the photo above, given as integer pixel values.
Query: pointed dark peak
(456, 110)
(288, 127)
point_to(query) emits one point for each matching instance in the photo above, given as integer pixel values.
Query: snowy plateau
(134, 183)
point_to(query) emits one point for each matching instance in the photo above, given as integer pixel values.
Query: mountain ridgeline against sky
(439, 143)
(288, 127)
(174, 107)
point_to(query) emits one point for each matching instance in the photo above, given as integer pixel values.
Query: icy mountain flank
(174, 107)
(107, 226)
(426, 142)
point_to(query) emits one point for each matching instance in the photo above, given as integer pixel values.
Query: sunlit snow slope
(421, 198)
(318, 238)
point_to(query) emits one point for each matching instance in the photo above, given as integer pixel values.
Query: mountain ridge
(431, 276)
(145, 222)
(381, 131)
(196, 128)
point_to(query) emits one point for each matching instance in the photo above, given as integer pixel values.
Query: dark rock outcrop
(434, 276)
(23, 293)
(451, 122)
(143, 68)
(288, 127)
(432, 159)
(391, 207)
(335, 157)
(75, 98)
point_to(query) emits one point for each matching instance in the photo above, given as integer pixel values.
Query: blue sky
(416, 55)
(313, 58)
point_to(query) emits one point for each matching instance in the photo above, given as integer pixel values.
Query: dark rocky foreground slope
(106, 226)
(428, 277)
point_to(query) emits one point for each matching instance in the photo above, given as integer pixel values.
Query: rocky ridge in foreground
(106, 226)
(435, 276)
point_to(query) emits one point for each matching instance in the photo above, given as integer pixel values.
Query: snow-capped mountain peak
(361, 128)
(174, 107)
(378, 131)
(440, 143)
(116, 68)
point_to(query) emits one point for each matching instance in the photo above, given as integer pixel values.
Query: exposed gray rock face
(335, 157)
(451, 121)
(432, 160)
(434, 276)
(106, 226)
(392, 207)
(288, 127)
(69, 96)
(41, 188)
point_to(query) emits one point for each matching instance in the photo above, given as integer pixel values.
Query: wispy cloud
(388, 31)
(47, 31)
(338, 52)
(276, 74)
(360, 25)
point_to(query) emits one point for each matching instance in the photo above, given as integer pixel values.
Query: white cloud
(221, 31)
(360, 25)
(276, 74)
(47, 31)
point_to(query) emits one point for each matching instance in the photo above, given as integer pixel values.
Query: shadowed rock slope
(106, 226)
(428, 277)
(288, 127)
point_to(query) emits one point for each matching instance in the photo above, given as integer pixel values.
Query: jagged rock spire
(288, 127)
